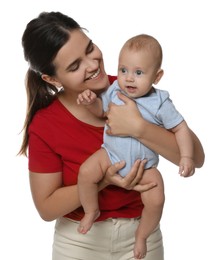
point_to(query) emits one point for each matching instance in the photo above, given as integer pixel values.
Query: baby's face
(136, 72)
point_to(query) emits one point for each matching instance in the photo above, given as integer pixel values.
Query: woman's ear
(51, 80)
(159, 75)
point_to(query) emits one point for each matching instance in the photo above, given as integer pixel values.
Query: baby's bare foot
(140, 249)
(87, 221)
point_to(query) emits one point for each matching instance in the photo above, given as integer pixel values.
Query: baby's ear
(159, 75)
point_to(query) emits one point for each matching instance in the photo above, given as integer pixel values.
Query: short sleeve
(41, 158)
(169, 114)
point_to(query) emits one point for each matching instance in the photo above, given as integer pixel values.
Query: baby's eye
(139, 72)
(123, 70)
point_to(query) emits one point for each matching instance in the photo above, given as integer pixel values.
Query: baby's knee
(83, 172)
(158, 198)
(154, 197)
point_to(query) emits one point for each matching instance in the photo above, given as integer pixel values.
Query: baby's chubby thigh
(152, 175)
(96, 165)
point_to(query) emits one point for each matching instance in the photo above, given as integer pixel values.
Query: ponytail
(40, 94)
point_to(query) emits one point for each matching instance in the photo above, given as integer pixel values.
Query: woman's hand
(121, 118)
(131, 180)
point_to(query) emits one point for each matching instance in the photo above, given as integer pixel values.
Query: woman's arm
(126, 120)
(53, 200)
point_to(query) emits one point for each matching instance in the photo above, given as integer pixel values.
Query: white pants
(112, 239)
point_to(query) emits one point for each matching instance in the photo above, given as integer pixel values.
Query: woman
(60, 134)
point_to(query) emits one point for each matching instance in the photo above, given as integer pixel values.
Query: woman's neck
(80, 111)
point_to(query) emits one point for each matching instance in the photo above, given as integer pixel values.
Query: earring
(59, 88)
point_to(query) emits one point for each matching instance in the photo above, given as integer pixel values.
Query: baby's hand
(187, 167)
(86, 98)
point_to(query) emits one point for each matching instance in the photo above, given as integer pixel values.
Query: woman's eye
(74, 68)
(90, 48)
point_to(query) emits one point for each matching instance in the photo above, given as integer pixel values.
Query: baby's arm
(93, 103)
(185, 143)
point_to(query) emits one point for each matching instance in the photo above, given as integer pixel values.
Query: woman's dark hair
(42, 39)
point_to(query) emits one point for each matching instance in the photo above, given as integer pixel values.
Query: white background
(189, 32)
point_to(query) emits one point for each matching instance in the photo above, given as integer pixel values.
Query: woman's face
(79, 65)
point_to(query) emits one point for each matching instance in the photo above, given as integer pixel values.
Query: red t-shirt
(59, 142)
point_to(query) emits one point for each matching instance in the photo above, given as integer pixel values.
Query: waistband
(114, 220)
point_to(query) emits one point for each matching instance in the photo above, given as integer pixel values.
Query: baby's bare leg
(153, 201)
(90, 173)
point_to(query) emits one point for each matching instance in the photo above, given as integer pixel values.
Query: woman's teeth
(95, 74)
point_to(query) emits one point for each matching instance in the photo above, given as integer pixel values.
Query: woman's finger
(124, 98)
(144, 187)
(131, 178)
(139, 167)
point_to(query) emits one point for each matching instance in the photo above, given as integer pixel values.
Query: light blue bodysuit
(157, 108)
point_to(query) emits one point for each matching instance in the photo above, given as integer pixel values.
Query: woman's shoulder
(46, 117)
(46, 112)
(112, 78)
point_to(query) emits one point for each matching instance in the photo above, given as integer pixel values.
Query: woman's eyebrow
(89, 46)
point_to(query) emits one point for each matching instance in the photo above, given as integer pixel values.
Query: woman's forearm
(51, 199)
(199, 155)
(61, 202)
(159, 140)
(164, 142)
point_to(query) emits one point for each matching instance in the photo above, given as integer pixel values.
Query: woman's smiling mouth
(95, 74)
